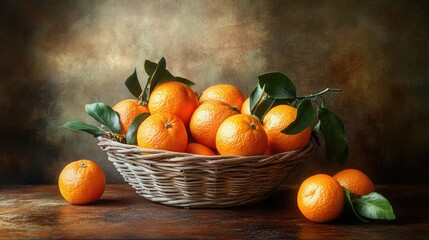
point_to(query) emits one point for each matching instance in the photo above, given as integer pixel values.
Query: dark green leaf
(184, 81)
(132, 130)
(105, 115)
(81, 126)
(334, 135)
(149, 67)
(374, 206)
(159, 75)
(133, 85)
(349, 205)
(304, 118)
(278, 85)
(256, 97)
(264, 107)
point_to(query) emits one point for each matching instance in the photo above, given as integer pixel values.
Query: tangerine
(356, 181)
(226, 93)
(163, 131)
(128, 110)
(200, 149)
(241, 135)
(82, 182)
(175, 98)
(206, 121)
(320, 198)
(277, 119)
(245, 108)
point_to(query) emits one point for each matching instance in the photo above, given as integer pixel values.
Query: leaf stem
(315, 95)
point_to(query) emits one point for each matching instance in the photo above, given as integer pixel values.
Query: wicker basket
(194, 181)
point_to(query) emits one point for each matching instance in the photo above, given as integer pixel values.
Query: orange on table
(200, 149)
(226, 93)
(175, 98)
(82, 182)
(356, 181)
(163, 131)
(245, 108)
(320, 198)
(241, 135)
(277, 119)
(206, 121)
(128, 110)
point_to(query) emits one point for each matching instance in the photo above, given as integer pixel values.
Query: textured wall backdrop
(56, 56)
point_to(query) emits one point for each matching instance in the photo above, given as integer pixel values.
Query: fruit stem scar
(252, 126)
(167, 125)
(83, 165)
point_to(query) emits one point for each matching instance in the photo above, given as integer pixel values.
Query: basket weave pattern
(194, 181)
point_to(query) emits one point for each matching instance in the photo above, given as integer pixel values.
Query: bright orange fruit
(128, 110)
(277, 119)
(226, 93)
(206, 121)
(82, 182)
(355, 181)
(175, 98)
(198, 148)
(320, 198)
(245, 108)
(162, 131)
(242, 135)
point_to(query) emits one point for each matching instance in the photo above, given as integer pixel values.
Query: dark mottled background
(56, 56)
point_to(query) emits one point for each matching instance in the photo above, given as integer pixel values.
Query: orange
(206, 121)
(320, 198)
(277, 119)
(226, 93)
(200, 149)
(128, 110)
(82, 182)
(175, 98)
(242, 135)
(162, 131)
(245, 108)
(355, 181)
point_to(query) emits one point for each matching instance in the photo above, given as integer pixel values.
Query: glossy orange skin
(199, 149)
(245, 108)
(206, 121)
(356, 181)
(82, 182)
(163, 131)
(226, 93)
(128, 110)
(241, 135)
(277, 119)
(175, 98)
(320, 198)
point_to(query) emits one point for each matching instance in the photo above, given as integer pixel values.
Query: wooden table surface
(40, 212)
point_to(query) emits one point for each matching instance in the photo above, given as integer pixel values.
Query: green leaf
(256, 97)
(334, 135)
(349, 205)
(278, 85)
(158, 75)
(105, 115)
(149, 67)
(264, 107)
(133, 85)
(183, 80)
(84, 127)
(304, 118)
(374, 206)
(132, 130)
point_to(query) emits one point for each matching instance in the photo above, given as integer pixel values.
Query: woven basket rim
(109, 143)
